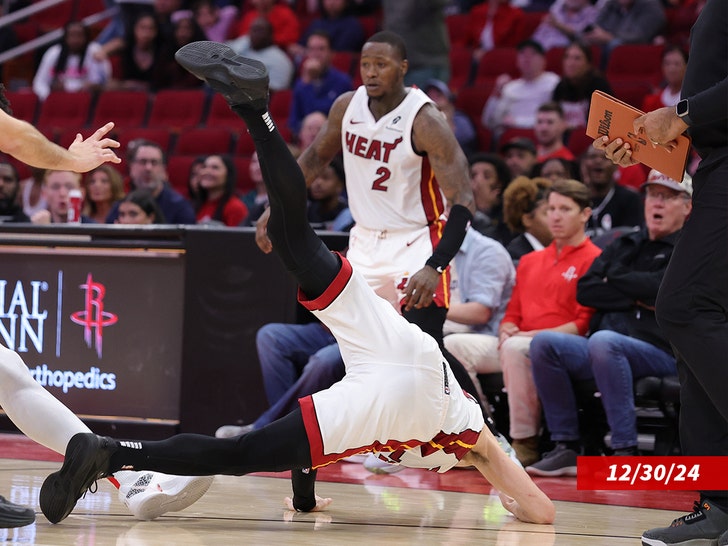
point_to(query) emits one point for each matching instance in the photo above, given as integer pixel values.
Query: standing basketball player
(33, 409)
(398, 387)
(402, 165)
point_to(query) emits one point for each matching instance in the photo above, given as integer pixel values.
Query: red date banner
(641, 473)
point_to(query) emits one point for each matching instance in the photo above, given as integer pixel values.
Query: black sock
(304, 497)
(260, 124)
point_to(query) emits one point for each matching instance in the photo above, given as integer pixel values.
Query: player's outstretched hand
(321, 504)
(95, 150)
(261, 233)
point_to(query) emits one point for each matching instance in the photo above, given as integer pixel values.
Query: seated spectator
(481, 287)
(335, 19)
(557, 168)
(193, 179)
(148, 170)
(565, 21)
(258, 44)
(513, 103)
(215, 21)
(319, 83)
(103, 187)
(310, 127)
(141, 56)
(10, 210)
(170, 74)
(461, 124)
(56, 187)
(494, 23)
(626, 342)
(613, 205)
(327, 207)
(489, 177)
(674, 62)
(525, 212)
(31, 192)
(139, 208)
(625, 22)
(549, 131)
(71, 65)
(218, 202)
(543, 298)
(285, 30)
(519, 153)
(256, 199)
(579, 79)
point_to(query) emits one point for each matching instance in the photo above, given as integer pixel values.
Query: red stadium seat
(203, 141)
(457, 25)
(514, 132)
(578, 141)
(177, 109)
(244, 145)
(242, 168)
(635, 62)
(61, 110)
(461, 65)
(124, 108)
(220, 115)
(493, 63)
(280, 105)
(24, 104)
(178, 172)
(472, 99)
(156, 135)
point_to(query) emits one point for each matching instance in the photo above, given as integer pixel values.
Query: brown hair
(521, 197)
(573, 189)
(117, 187)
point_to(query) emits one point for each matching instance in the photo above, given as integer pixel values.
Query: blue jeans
(324, 368)
(613, 360)
(284, 350)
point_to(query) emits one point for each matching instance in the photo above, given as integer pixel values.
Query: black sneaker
(559, 462)
(704, 526)
(14, 515)
(87, 460)
(241, 81)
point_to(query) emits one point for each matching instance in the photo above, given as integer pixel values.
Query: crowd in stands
(514, 80)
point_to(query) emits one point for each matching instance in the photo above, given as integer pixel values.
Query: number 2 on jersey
(384, 175)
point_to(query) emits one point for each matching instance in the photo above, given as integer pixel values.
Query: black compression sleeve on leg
(295, 242)
(282, 445)
(303, 481)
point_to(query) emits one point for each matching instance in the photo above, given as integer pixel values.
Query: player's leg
(244, 84)
(44, 419)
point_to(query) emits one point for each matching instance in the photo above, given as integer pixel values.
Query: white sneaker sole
(180, 493)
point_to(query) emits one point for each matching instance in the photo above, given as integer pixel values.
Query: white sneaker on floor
(154, 494)
(231, 431)
(378, 466)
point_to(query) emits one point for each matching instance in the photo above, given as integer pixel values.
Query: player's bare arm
(24, 142)
(432, 135)
(328, 141)
(313, 160)
(518, 493)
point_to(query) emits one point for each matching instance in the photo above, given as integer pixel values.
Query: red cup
(75, 202)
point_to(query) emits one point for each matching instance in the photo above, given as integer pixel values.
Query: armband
(452, 238)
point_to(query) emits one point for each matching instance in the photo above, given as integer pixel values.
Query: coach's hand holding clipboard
(633, 137)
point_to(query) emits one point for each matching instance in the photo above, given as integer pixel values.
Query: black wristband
(452, 238)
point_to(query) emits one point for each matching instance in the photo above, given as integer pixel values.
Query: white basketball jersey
(390, 187)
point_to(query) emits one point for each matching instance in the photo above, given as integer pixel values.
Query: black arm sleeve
(452, 237)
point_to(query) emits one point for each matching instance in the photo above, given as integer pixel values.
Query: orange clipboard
(611, 117)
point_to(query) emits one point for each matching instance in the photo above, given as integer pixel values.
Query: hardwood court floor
(410, 507)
